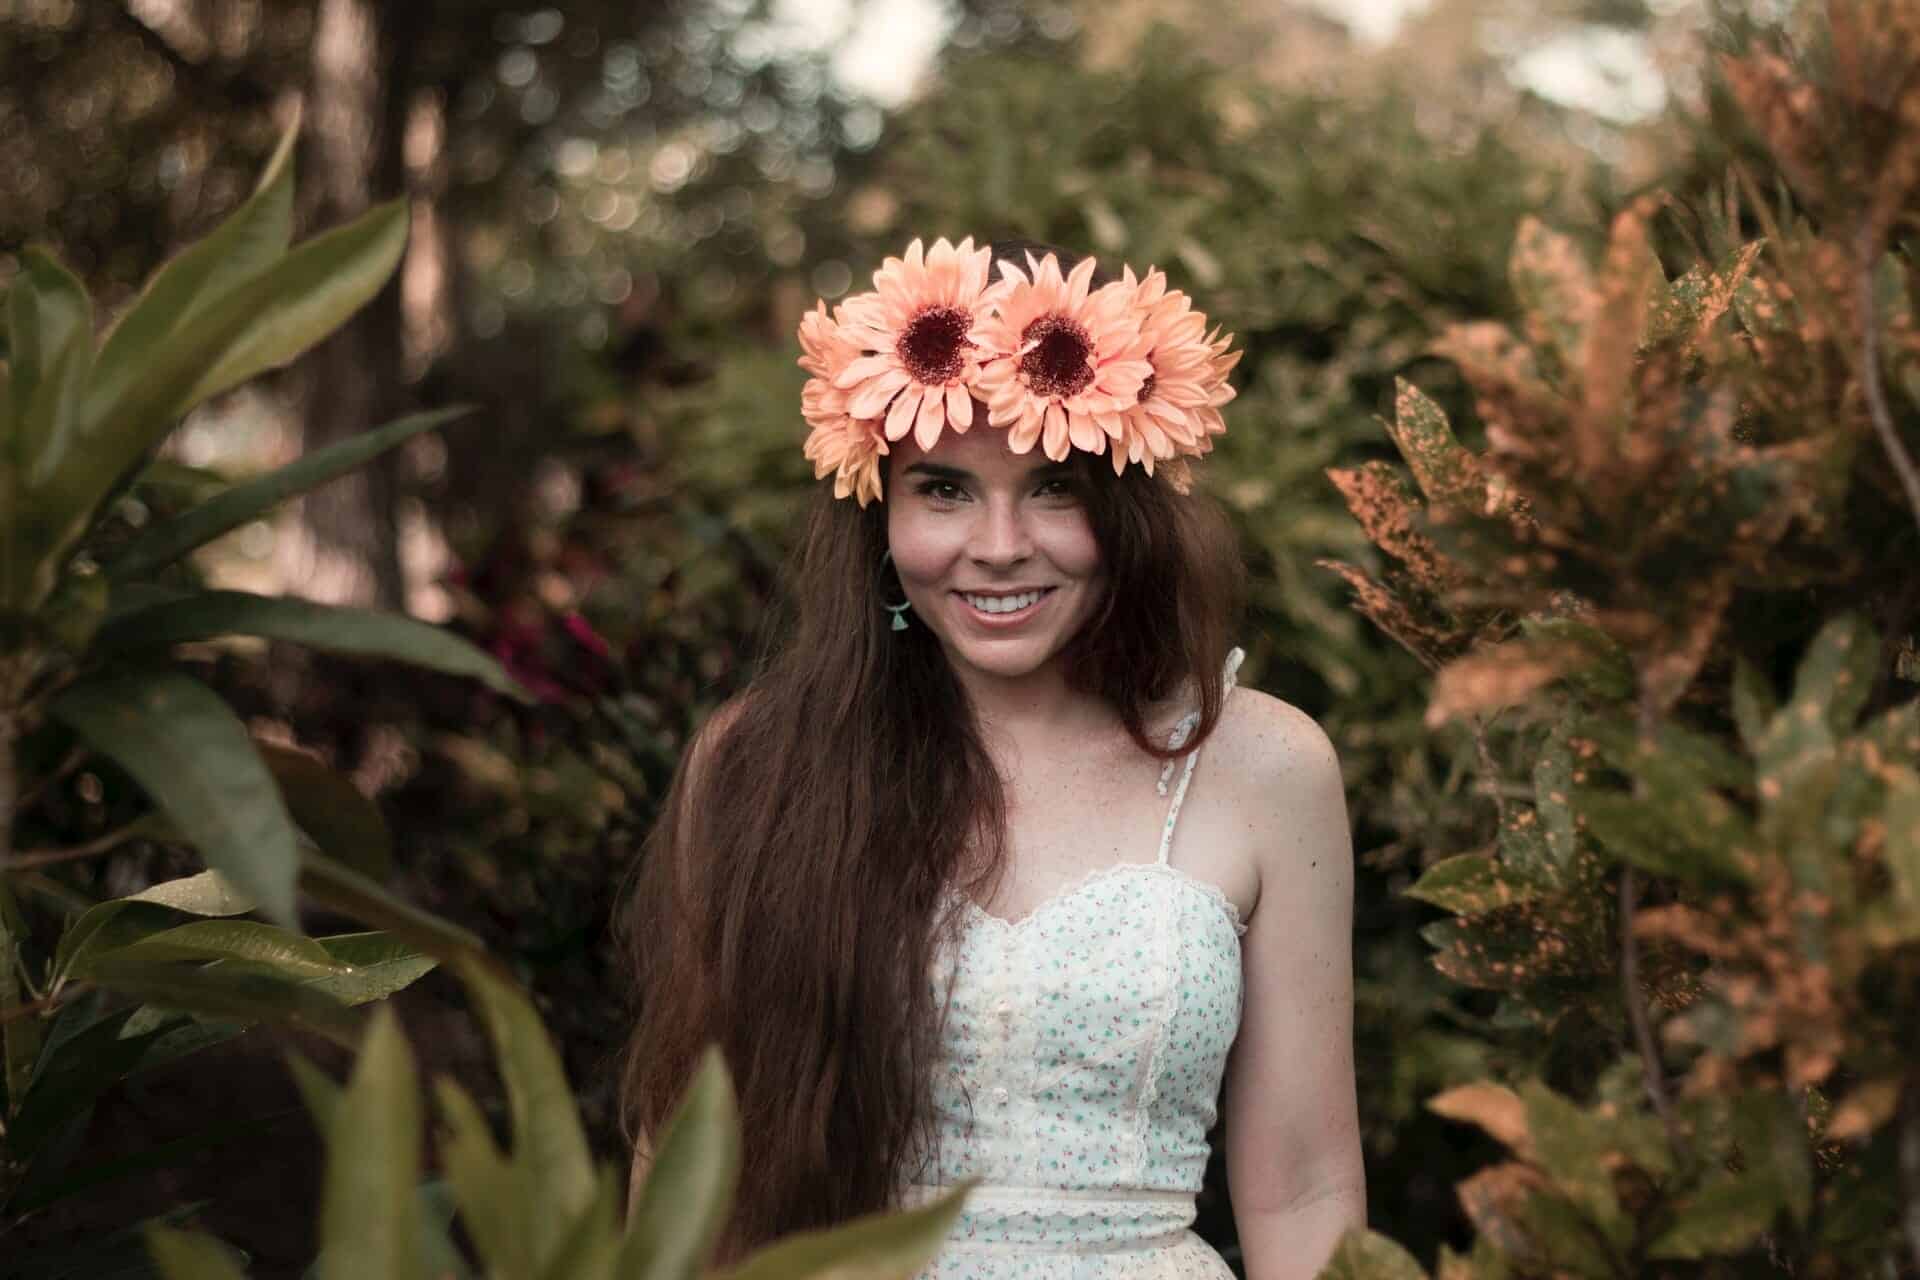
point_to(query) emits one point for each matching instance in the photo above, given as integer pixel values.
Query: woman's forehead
(982, 450)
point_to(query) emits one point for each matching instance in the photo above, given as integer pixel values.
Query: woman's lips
(998, 620)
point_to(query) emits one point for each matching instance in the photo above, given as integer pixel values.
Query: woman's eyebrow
(939, 471)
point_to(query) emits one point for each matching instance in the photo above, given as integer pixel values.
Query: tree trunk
(363, 63)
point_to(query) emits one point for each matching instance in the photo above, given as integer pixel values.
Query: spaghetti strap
(1181, 732)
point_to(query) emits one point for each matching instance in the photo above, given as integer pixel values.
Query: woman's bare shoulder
(1263, 741)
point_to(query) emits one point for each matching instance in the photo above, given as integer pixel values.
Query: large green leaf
(495, 1203)
(590, 1245)
(1368, 1255)
(549, 1147)
(335, 814)
(58, 316)
(191, 1255)
(219, 992)
(688, 1193)
(265, 320)
(250, 240)
(878, 1246)
(364, 632)
(70, 1078)
(50, 340)
(342, 889)
(246, 942)
(194, 757)
(116, 922)
(1470, 883)
(375, 966)
(166, 542)
(369, 1211)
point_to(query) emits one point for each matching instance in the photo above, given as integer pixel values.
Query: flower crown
(1127, 369)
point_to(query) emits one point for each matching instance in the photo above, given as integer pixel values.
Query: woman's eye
(941, 490)
(1055, 489)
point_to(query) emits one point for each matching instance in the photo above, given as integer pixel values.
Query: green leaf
(1368, 1255)
(1571, 1145)
(335, 814)
(194, 757)
(494, 1201)
(1470, 883)
(219, 992)
(369, 1210)
(1754, 705)
(1658, 841)
(1723, 1218)
(166, 542)
(591, 1243)
(1447, 473)
(1555, 289)
(116, 923)
(59, 317)
(365, 632)
(317, 1090)
(1903, 837)
(265, 320)
(376, 966)
(549, 1147)
(342, 270)
(879, 1246)
(246, 243)
(71, 1078)
(246, 942)
(1553, 803)
(440, 1258)
(1829, 688)
(191, 1255)
(342, 889)
(682, 1207)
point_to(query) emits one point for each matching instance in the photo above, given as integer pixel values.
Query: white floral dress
(1082, 1066)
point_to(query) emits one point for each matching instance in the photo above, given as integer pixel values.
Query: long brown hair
(787, 903)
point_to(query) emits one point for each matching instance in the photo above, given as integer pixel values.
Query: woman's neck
(1032, 709)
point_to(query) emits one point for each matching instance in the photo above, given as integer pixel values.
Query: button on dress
(1081, 1070)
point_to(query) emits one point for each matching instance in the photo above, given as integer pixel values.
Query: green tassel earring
(899, 611)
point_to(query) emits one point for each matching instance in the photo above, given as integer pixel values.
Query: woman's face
(994, 549)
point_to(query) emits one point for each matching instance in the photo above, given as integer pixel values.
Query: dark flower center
(1057, 364)
(1146, 389)
(931, 346)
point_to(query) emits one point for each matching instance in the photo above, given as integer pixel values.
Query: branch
(30, 796)
(46, 857)
(78, 986)
(1870, 378)
(1650, 1070)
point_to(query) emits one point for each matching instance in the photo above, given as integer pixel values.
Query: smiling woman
(899, 880)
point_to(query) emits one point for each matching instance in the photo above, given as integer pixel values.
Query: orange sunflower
(838, 443)
(915, 332)
(1177, 409)
(1063, 362)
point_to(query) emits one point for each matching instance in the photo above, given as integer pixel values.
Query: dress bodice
(1081, 1066)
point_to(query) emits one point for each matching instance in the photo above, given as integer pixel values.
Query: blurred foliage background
(619, 213)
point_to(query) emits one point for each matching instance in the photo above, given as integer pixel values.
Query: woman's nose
(1000, 535)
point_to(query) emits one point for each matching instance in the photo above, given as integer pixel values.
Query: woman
(921, 881)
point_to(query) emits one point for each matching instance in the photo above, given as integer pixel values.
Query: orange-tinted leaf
(1627, 279)
(1447, 472)
(1496, 677)
(1385, 505)
(1781, 108)
(1864, 1110)
(1555, 288)
(1512, 399)
(1493, 1107)
(1386, 611)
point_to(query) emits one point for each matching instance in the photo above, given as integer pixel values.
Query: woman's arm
(1291, 1117)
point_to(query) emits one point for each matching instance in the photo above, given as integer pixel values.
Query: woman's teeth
(1004, 604)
